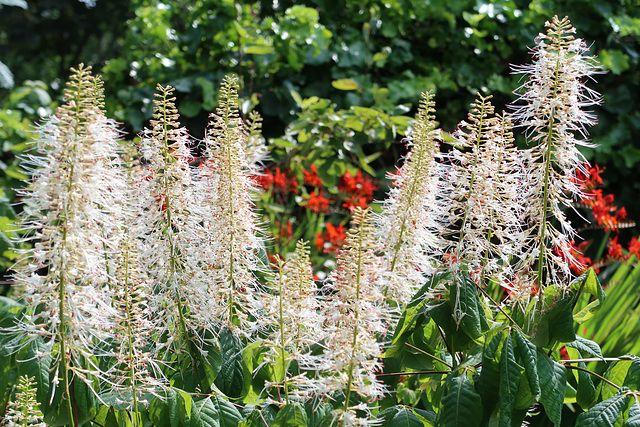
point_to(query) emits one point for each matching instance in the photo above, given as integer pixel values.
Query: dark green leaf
(510, 373)
(553, 380)
(528, 356)
(634, 412)
(230, 380)
(604, 413)
(399, 416)
(556, 324)
(474, 321)
(165, 412)
(291, 415)
(35, 361)
(214, 411)
(586, 392)
(461, 405)
(632, 379)
(585, 346)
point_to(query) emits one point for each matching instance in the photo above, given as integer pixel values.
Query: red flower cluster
(279, 181)
(604, 212)
(579, 263)
(311, 177)
(333, 238)
(317, 202)
(358, 189)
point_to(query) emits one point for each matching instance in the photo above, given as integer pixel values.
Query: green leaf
(230, 380)
(259, 49)
(164, 412)
(585, 346)
(553, 380)
(399, 416)
(528, 356)
(345, 84)
(35, 361)
(106, 417)
(634, 412)
(616, 373)
(590, 284)
(510, 373)
(474, 320)
(614, 60)
(292, 415)
(556, 324)
(461, 405)
(214, 411)
(632, 379)
(586, 392)
(604, 413)
(83, 401)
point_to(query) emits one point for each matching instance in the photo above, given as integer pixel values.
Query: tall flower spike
(486, 211)
(356, 317)
(72, 218)
(24, 409)
(172, 224)
(410, 220)
(231, 252)
(291, 315)
(551, 108)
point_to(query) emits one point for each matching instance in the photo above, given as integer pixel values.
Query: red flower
(634, 246)
(332, 239)
(311, 177)
(279, 181)
(317, 202)
(265, 180)
(579, 263)
(354, 202)
(615, 249)
(347, 183)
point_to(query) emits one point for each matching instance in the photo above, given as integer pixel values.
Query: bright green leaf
(259, 49)
(614, 60)
(345, 84)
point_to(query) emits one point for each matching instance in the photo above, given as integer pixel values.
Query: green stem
(282, 346)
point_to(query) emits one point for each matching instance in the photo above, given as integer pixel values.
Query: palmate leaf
(604, 413)
(461, 405)
(553, 381)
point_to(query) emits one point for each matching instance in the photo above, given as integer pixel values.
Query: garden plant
(171, 282)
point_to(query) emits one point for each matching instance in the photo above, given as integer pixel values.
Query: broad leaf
(461, 405)
(586, 346)
(345, 84)
(632, 379)
(291, 415)
(586, 392)
(616, 373)
(473, 317)
(165, 412)
(35, 361)
(528, 356)
(553, 380)
(510, 373)
(399, 416)
(214, 411)
(605, 413)
(230, 379)
(634, 412)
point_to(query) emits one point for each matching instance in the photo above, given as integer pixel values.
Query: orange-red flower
(311, 177)
(634, 247)
(334, 236)
(317, 202)
(615, 249)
